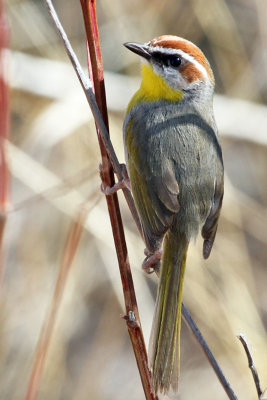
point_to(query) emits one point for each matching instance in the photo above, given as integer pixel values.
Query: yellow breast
(153, 88)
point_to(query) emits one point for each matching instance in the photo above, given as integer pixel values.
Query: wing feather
(210, 227)
(156, 198)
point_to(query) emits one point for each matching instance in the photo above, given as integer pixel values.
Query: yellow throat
(153, 88)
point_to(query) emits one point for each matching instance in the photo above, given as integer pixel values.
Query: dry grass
(54, 161)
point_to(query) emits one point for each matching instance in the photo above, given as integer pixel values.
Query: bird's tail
(164, 346)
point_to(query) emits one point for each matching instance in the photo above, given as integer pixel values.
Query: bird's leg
(124, 183)
(152, 261)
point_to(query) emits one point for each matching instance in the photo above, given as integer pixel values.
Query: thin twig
(131, 306)
(90, 96)
(251, 365)
(87, 88)
(96, 72)
(200, 339)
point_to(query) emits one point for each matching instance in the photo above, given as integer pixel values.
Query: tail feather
(164, 346)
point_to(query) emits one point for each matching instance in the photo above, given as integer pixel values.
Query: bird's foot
(124, 183)
(152, 262)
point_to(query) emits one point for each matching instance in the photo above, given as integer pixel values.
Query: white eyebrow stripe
(186, 56)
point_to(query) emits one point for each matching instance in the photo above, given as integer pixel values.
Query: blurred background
(54, 158)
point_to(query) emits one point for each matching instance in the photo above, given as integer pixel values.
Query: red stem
(97, 76)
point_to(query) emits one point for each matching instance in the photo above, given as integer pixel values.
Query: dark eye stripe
(167, 59)
(157, 56)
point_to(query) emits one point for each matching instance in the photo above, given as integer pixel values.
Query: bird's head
(173, 68)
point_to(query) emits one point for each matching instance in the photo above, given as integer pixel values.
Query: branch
(87, 87)
(108, 155)
(251, 365)
(200, 339)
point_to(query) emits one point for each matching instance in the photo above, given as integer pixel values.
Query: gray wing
(210, 227)
(156, 198)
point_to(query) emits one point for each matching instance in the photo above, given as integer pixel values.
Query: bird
(175, 165)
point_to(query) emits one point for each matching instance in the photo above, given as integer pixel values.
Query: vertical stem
(97, 76)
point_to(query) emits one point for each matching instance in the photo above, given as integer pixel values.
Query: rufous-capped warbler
(175, 166)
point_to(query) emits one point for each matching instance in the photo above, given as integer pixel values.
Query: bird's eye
(175, 61)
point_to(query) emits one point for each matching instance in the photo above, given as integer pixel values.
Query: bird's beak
(138, 48)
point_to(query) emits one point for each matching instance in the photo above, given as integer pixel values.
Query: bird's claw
(124, 183)
(152, 262)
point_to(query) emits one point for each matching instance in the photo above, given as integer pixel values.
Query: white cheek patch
(185, 56)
